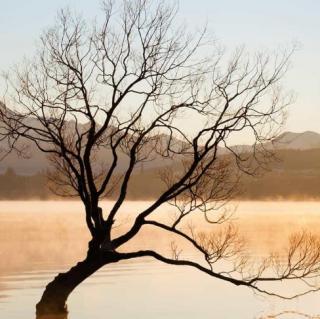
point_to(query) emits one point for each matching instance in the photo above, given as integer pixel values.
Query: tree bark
(54, 298)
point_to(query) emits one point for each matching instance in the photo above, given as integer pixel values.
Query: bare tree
(137, 84)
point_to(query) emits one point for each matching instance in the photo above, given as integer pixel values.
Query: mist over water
(39, 239)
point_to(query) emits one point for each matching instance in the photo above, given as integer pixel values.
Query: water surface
(39, 239)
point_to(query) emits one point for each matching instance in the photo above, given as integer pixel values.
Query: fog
(55, 231)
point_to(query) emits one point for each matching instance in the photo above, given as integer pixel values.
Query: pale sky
(256, 24)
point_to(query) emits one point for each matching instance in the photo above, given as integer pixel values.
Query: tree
(132, 85)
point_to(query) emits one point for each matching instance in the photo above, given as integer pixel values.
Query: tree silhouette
(138, 85)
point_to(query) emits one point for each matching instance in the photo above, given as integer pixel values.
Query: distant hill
(297, 141)
(294, 175)
(37, 162)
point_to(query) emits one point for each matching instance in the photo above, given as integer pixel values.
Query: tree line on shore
(293, 175)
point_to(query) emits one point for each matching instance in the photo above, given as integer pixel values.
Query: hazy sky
(257, 24)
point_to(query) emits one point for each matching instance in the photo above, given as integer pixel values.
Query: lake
(40, 239)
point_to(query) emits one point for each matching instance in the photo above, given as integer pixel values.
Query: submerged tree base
(52, 310)
(52, 316)
(53, 301)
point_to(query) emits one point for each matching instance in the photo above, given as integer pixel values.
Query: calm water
(39, 239)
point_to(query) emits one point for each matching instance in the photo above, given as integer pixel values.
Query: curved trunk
(54, 298)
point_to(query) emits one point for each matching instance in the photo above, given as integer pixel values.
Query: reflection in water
(289, 314)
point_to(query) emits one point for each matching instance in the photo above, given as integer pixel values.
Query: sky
(258, 25)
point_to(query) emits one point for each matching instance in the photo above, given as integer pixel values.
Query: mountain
(37, 161)
(297, 141)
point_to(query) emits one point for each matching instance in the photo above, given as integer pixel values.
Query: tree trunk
(54, 298)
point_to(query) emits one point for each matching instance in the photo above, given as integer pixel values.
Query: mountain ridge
(38, 162)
